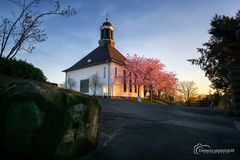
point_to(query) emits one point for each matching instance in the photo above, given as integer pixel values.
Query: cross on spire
(107, 17)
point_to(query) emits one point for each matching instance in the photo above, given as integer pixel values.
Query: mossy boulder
(38, 121)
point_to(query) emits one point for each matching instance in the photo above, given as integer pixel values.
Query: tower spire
(107, 17)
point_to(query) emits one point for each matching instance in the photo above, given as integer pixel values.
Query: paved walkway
(140, 131)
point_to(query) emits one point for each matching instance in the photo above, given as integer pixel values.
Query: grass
(147, 101)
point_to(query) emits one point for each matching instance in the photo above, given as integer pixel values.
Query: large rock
(41, 122)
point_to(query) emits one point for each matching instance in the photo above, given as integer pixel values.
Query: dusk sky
(168, 30)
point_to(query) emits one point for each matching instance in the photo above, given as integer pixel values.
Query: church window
(84, 85)
(104, 72)
(135, 86)
(124, 81)
(130, 83)
(115, 72)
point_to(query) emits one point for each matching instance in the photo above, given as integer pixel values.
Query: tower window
(107, 33)
(104, 72)
(111, 34)
(102, 34)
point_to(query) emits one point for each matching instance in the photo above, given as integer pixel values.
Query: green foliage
(147, 101)
(21, 69)
(220, 51)
(217, 98)
(225, 103)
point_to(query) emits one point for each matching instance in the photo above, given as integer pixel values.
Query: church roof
(100, 55)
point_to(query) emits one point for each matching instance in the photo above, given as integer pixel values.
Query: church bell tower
(106, 34)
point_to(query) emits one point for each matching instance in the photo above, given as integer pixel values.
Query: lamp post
(150, 86)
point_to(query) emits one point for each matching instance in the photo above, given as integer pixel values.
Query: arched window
(130, 82)
(111, 34)
(104, 72)
(115, 72)
(102, 34)
(107, 33)
(124, 81)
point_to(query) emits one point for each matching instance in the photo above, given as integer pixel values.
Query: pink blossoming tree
(145, 71)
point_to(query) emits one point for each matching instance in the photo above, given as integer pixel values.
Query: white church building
(108, 63)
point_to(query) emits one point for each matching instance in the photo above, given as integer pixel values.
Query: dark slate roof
(107, 23)
(100, 55)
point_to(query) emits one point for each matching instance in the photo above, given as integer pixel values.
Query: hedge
(21, 69)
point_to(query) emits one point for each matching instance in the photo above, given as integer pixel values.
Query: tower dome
(107, 23)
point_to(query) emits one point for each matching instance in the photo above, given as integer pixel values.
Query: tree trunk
(138, 91)
(138, 97)
(94, 93)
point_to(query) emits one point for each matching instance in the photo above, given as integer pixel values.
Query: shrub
(225, 103)
(21, 69)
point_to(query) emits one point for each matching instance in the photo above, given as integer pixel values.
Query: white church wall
(114, 86)
(86, 73)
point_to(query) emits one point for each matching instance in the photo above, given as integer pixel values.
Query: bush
(225, 103)
(21, 69)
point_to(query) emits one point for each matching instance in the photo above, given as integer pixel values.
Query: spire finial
(107, 17)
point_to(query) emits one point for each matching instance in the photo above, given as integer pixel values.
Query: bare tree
(22, 31)
(95, 83)
(71, 83)
(61, 85)
(188, 89)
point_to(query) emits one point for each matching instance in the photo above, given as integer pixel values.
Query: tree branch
(3, 39)
(14, 24)
(25, 29)
(24, 33)
(15, 52)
